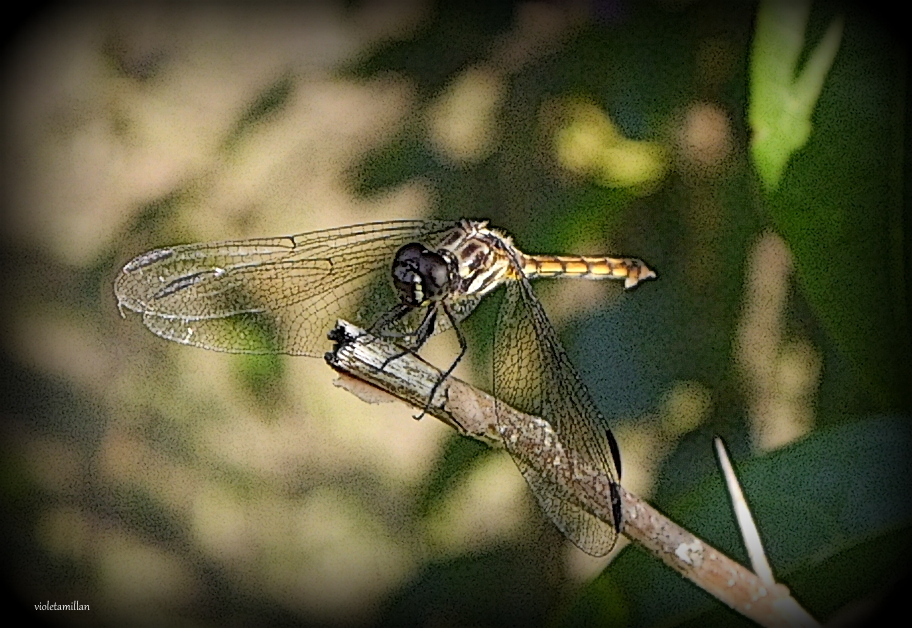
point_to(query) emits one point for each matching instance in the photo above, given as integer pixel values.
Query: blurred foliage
(783, 98)
(825, 536)
(838, 206)
(269, 102)
(826, 145)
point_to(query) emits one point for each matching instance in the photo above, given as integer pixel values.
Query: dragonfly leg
(419, 336)
(463, 346)
(380, 328)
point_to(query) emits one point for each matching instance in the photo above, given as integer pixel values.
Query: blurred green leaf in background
(838, 206)
(784, 96)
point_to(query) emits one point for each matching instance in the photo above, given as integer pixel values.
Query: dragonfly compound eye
(420, 275)
(435, 276)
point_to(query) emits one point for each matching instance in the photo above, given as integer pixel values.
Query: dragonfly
(406, 280)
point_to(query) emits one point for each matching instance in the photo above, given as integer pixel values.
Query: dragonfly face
(421, 276)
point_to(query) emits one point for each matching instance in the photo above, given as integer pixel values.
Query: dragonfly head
(420, 276)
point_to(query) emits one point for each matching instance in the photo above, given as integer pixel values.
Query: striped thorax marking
(482, 255)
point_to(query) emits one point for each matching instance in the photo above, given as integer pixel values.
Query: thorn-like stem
(745, 519)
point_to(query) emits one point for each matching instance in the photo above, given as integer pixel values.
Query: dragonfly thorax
(482, 258)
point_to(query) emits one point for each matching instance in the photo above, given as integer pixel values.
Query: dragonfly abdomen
(630, 269)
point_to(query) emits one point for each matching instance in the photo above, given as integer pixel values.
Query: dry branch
(472, 413)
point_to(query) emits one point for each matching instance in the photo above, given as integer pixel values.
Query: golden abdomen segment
(630, 269)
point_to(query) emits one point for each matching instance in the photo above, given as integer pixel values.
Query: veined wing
(533, 374)
(273, 295)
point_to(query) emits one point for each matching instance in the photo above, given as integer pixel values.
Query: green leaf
(832, 509)
(782, 100)
(839, 208)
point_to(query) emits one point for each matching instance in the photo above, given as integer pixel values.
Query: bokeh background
(162, 484)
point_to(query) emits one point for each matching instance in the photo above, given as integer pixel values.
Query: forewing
(533, 374)
(272, 295)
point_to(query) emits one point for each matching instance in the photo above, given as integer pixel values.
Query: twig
(750, 535)
(471, 412)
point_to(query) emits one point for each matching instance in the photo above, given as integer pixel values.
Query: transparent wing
(274, 295)
(533, 374)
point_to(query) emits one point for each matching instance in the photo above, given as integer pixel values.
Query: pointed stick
(359, 356)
